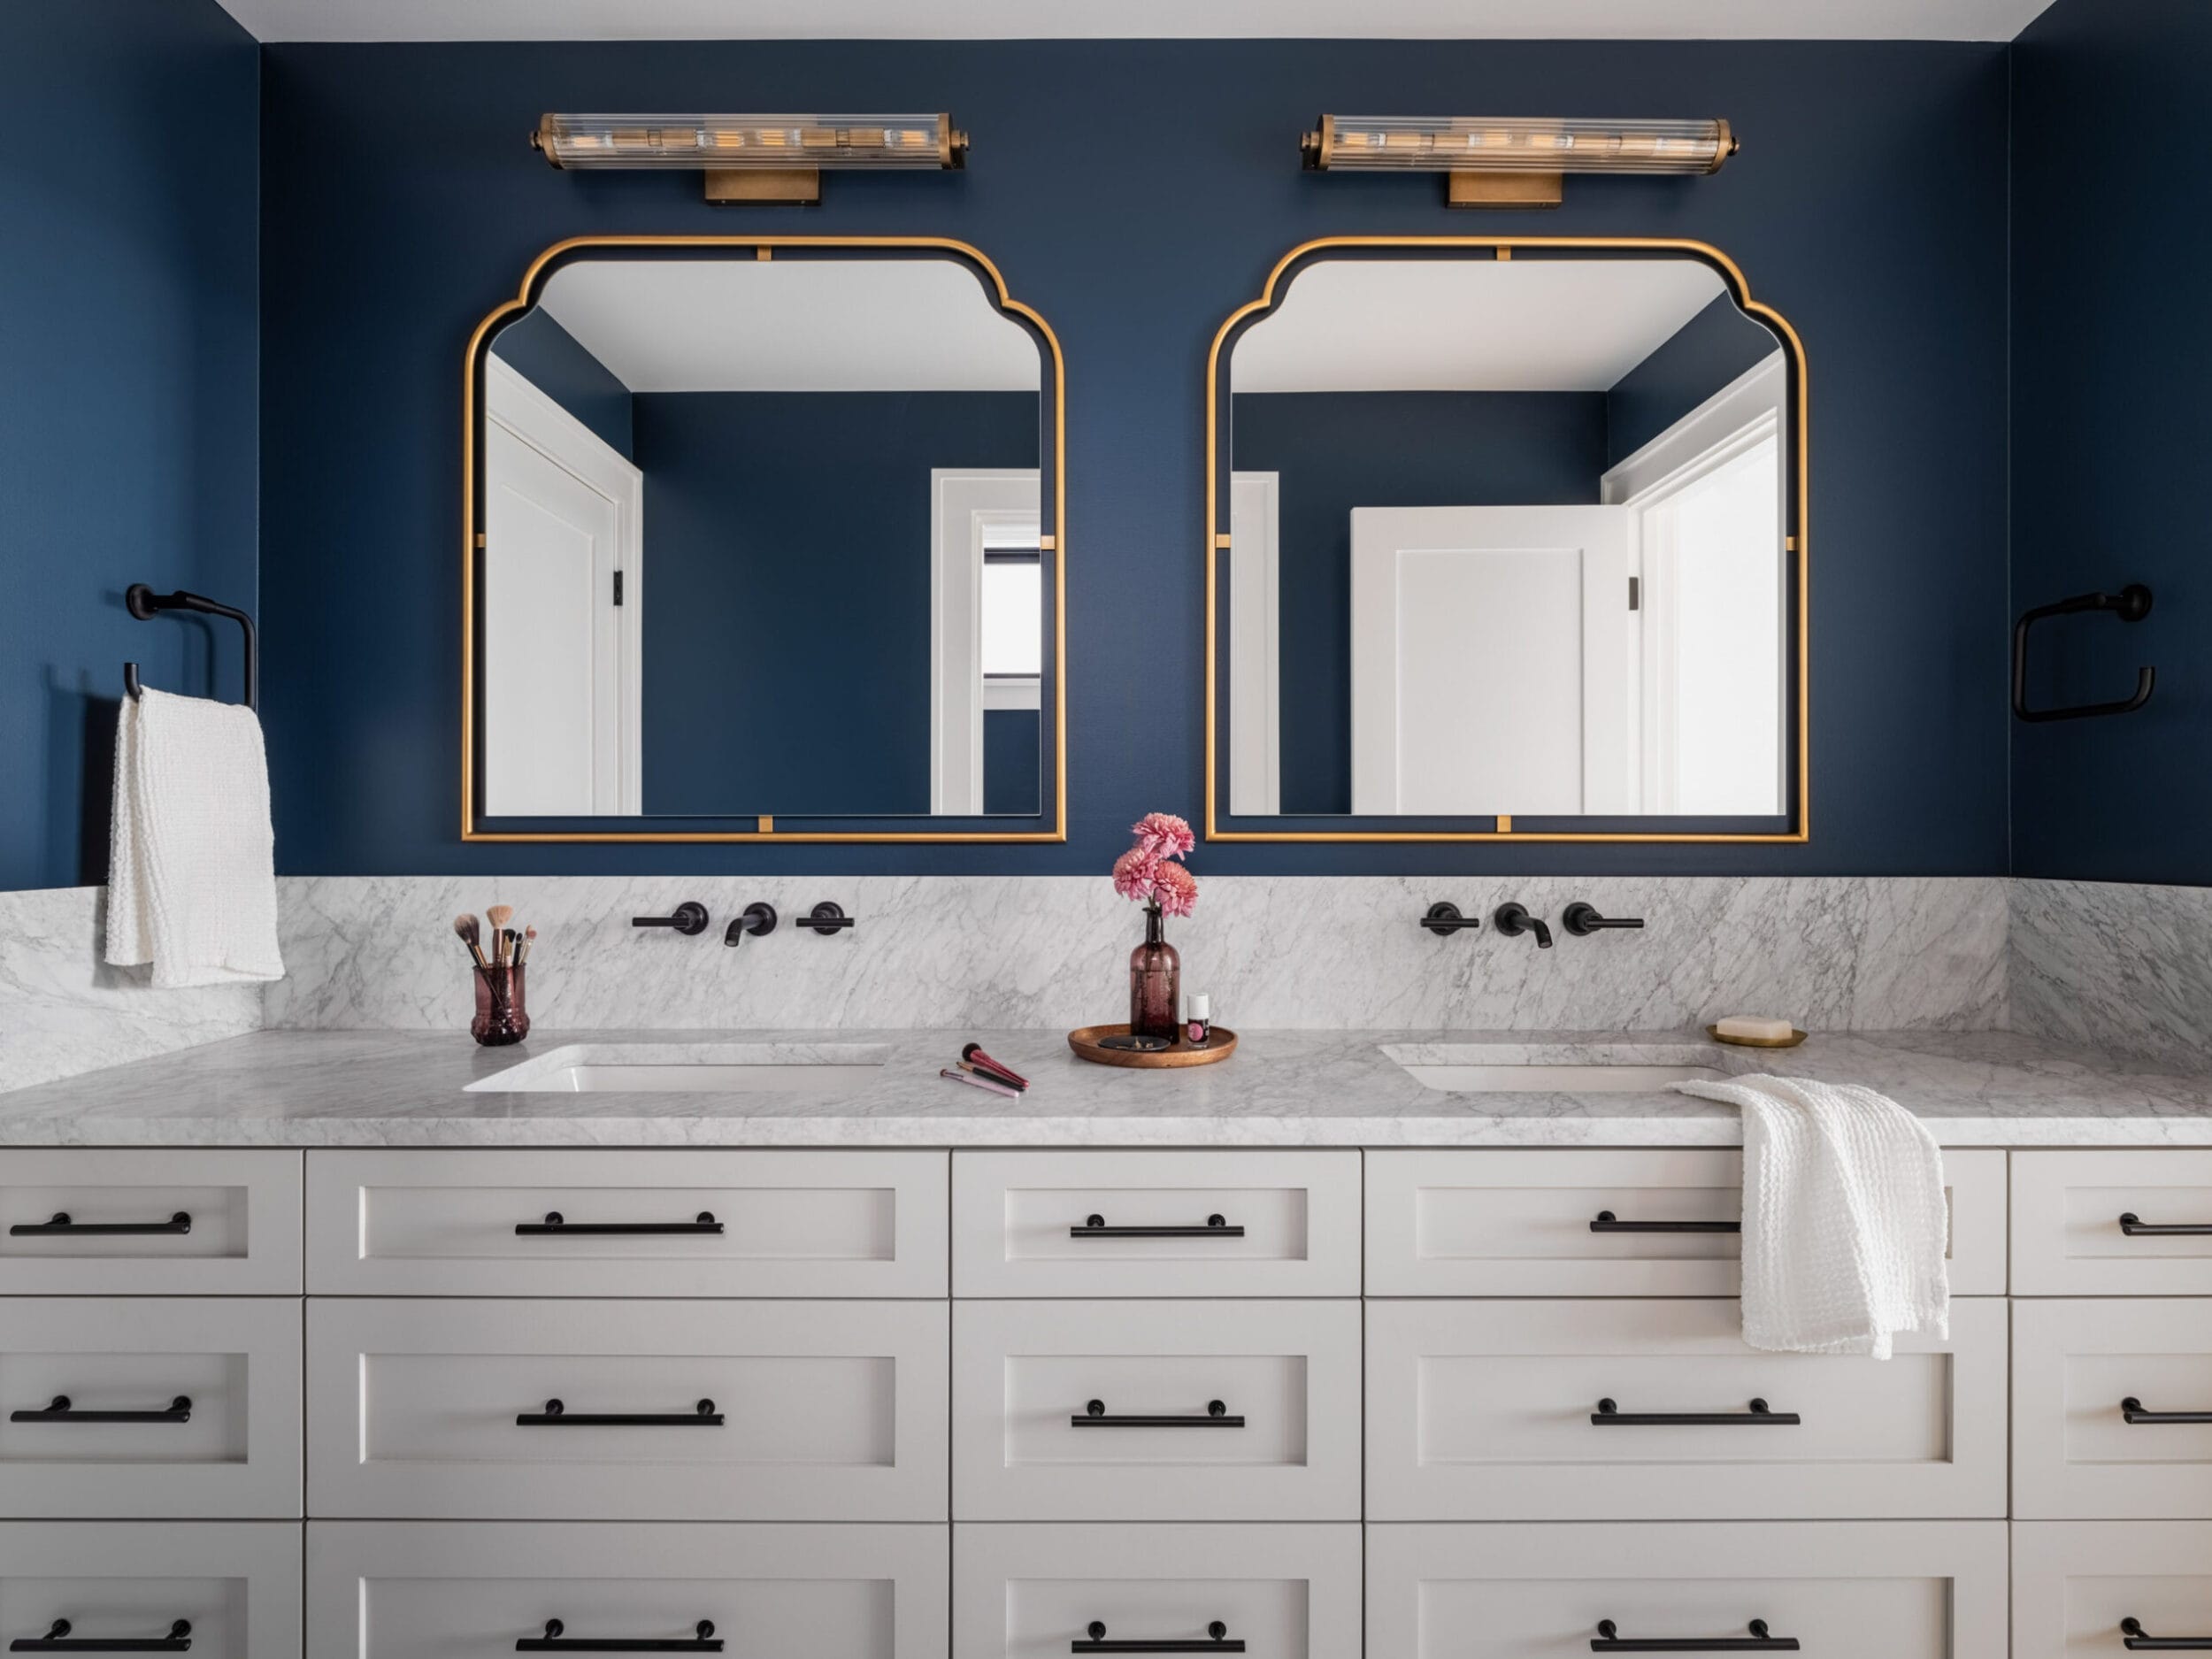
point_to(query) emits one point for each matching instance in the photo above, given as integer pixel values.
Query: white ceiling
(1444, 326)
(793, 325)
(1143, 19)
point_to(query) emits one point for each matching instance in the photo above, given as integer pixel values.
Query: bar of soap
(1750, 1027)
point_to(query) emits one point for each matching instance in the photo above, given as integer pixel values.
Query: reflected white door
(1494, 660)
(560, 712)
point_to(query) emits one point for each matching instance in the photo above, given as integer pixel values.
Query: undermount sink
(695, 1068)
(1598, 1068)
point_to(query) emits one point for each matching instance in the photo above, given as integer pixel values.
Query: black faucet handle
(1582, 919)
(826, 918)
(690, 918)
(1512, 919)
(1443, 919)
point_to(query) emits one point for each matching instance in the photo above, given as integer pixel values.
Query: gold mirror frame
(1795, 543)
(763, 248)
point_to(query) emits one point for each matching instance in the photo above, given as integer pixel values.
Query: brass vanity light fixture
(1496, 162)
(754, 160)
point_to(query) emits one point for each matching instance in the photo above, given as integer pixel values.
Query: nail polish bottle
(1198, 1027)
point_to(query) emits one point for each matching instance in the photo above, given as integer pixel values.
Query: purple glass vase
(1156, 982)
(501, 1017)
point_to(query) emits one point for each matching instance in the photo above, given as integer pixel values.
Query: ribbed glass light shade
(750, 141)
(1493, 144)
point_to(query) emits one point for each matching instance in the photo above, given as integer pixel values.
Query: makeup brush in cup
(522, 951)
(464, 929)
(499, 916)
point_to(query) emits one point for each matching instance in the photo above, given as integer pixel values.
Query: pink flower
(1174, 889)
(1135, 873)
(1163, 835)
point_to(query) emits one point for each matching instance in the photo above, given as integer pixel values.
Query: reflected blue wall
(2111, 350)
(1715, 347)
(128, 393)
(563, 367)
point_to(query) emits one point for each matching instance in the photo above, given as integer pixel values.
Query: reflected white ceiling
(793, 325)
(1139, 19)
(1443, 325)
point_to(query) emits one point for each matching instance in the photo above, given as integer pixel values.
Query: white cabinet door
(2112, 1224)
(462, 1223)
(1498, 1411)
(2080, 1371)
(235, 1586)
(1521, 1223)
(1841, 1590)
(1156, 1223)
(1037, 1591)
(427, 1590)
(2084, 1589)
(1155, 1411)
(812, 1412)
(83, 1222)
(161, 1406)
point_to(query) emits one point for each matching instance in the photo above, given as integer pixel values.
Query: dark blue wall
(128, 396)
(1869, 204)
(787, 591)
(1697, 360)
(2112, 348)
(1013, 757)
(1338, 450)
(562, 367)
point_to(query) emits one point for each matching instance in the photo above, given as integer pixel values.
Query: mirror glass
(1507, 537)
(762, 537)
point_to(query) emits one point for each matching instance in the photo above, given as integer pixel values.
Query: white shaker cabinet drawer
(626, 1223)
(644, 1410)
(166, 1406)
(1575, 1411)
(1045, 1591)
(1606, 1222)
(121, 1586)
(2085, 1589)
(2112, 1224)
(1839, 1590)
(441, 1590)
(81, 1222)
(1156, 1223)
(1160, 1410)
(2112, 1410)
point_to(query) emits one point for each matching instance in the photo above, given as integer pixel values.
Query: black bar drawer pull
(1095, 1416)
(2136, 1228)
(1217, 1640)
(1608, 1414)
(555, 1223)
(701, 1640)
(1609, 1640)
(1608, 1222)
(1216, 1227)
(702, 1416)
(178, 1410)
(2131, 1411)
(2138, 1642)
(57, 1639)
(181, 1222)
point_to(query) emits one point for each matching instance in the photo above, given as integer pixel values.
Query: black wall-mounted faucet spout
(1513, 920)
(757, 919)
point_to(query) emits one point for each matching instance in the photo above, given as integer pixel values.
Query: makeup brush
(522, 952)
(464, 929)
(974, 1080)
(499, 916)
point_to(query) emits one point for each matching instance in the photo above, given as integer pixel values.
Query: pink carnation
(1136, 873)
(1163, 835)
(1174, 889)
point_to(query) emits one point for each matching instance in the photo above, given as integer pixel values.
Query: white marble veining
(1844, 953)
(62, 1010)
(296, 1088)
(2115, 965)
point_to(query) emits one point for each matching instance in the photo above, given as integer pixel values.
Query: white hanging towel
(191, 866)
(1845, 1227)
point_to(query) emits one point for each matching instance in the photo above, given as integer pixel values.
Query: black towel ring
(2132, 603)
(145, 603)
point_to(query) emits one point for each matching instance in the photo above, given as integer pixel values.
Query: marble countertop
(385, 1088)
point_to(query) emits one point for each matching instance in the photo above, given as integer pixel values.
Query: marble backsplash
(1829, 953)
(2115, 966)
(62, 1010)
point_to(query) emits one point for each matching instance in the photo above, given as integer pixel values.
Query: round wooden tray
(1220, 1045)
(1790, 1041)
